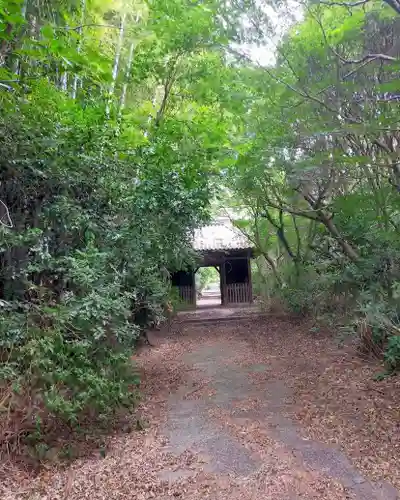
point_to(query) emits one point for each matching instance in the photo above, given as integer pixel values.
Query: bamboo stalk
(116, 63)
(76, 77)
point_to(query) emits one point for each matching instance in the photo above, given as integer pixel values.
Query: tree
(317, 158)
(111, 135)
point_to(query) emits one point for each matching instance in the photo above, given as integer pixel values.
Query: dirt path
(248, 410)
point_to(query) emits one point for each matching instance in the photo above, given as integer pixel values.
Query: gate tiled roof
(222, 235)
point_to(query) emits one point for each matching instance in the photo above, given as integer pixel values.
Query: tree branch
(350, 73)
(345, 4)
(8, 87)
(301, 213)
(394, 4)
(78, 28)
(168, 84)
(9, 222)
(365, 59)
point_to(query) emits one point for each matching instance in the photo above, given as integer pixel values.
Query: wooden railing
(239, 293)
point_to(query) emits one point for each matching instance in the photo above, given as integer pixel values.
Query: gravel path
(249, 411)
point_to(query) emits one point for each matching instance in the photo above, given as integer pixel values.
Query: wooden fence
(239, 293)
(187, 294)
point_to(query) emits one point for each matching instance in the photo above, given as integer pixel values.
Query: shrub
(392, 353)
(83, 270)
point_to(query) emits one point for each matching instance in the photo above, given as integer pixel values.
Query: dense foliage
(117, 122)
(205, 277)
(109, 138)
(319, 169)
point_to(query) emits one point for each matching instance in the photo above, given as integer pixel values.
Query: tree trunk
(327, 221)
(272, 265)
(344, 244)
(116, 64)
(395, 4)
(127, 72)
(76, 77)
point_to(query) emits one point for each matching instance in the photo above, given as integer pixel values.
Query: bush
(392, 353)
(84, 269)
(307, 289)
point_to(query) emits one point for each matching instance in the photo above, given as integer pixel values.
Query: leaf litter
(333, 399)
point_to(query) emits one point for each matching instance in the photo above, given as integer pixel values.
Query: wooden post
(223, 283)
(194, 295)
(250, 280)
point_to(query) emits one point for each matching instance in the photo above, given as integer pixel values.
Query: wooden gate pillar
(250, 279)
(224, 295)
(194, 294)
